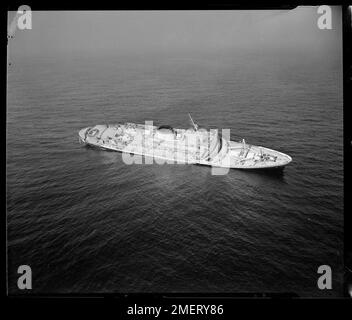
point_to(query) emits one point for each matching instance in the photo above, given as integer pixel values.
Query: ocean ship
(182, 146)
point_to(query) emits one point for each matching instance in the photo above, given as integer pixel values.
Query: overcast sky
(121, 32)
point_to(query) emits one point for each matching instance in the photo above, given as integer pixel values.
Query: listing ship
(188, 146)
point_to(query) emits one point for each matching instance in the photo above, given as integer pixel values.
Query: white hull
(176, 146)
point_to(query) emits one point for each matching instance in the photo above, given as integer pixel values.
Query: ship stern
(82, 134)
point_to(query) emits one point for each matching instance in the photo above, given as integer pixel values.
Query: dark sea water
(86, 222)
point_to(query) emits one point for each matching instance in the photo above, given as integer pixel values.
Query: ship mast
(193, 123)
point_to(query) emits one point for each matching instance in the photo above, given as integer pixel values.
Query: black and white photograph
(175, 152)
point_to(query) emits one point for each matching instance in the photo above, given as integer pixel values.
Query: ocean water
(88, 223)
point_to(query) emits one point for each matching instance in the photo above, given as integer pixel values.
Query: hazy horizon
(77, 33)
